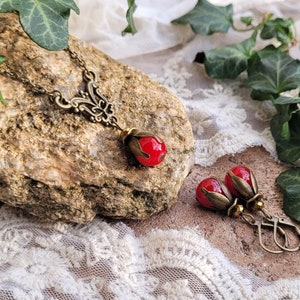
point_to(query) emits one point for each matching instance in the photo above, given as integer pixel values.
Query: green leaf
(278, 28)
(206, 18)
(281, 100)
(2, 99)
(45, 21)
(2, 59)
(258, 95)
(272, 72)
(247, 20)
(129, 16)
(285, 128)
(229, 61)
(289, 182)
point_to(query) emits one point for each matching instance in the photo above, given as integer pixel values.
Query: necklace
(148, 149)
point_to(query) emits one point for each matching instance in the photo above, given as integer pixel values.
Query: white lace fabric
(101, 260)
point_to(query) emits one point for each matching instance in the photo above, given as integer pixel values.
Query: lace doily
(102, 261)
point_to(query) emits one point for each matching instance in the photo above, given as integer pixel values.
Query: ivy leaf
(206, 18)
(229, 61)
(129, 16)
(272, 72)
(2, 59)
(45, 21)
(258, 95)
(247, 20)
(278, 28)
(281, 100)
(285, 128)
(289, 182)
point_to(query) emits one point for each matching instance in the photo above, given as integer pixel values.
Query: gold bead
(237, 211)
(258, 205)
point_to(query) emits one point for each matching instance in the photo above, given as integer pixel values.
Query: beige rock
(57, 165)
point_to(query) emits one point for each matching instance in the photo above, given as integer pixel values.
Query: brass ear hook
(244, 185)
(260, 224)
(256, 204)
(237, 210)
(290, 225)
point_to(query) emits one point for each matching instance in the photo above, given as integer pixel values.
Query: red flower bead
(241, 182)
(148, 149)
(212, 194)
(156, 151)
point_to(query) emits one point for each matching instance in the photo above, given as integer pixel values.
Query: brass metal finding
(288, 225)
(35, 88)
(130, 137)
(268, 222)
(263, 224)
(256, 204)
(127, 133)
(235, 210)
(90, 102)
(260, 224)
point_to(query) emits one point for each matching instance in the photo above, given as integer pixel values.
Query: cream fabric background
(100, 23)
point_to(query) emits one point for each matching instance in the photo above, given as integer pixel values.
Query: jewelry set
(239, 193)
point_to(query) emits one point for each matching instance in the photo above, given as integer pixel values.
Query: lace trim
(100, 261)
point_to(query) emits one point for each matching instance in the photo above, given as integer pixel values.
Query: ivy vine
(271, 72)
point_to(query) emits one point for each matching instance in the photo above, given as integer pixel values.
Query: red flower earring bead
(213, 194)
(242, 184)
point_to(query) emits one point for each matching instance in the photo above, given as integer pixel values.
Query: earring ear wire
(237, 210)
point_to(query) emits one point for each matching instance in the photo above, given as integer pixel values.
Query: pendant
(148, 149)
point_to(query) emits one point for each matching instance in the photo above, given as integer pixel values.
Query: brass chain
(36, 88)
(78, 59)
(91, 102)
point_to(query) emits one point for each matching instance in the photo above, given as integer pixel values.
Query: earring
(242, 184)
(240, 192)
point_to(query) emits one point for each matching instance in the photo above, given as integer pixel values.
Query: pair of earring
(240, 192)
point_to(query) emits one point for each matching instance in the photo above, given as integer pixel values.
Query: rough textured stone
(56, 164)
